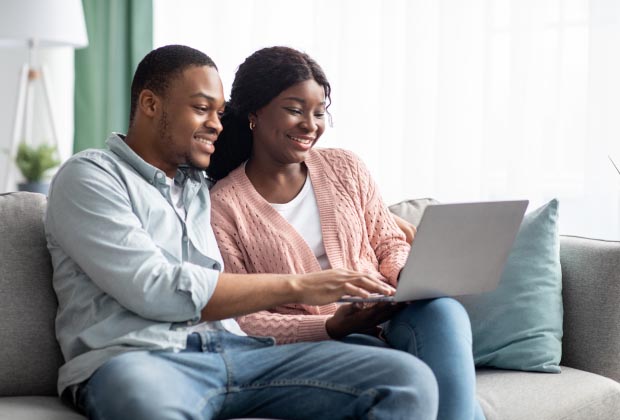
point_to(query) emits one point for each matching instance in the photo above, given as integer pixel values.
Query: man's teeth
(205, 141)
(302, 141)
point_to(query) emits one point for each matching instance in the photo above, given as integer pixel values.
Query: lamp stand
(28, 76)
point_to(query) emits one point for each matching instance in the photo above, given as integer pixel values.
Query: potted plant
(34, 162)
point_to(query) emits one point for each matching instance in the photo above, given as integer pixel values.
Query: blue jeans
(439, 333)
(221, 375)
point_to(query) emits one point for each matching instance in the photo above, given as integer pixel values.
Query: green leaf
(33, 162)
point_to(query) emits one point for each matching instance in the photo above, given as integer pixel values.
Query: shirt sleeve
(90, 218)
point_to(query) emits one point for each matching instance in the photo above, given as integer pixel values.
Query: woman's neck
(276, 183)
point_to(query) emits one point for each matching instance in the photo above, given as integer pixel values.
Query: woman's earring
(252, 125)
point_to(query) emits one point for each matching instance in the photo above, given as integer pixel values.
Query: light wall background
(59, 64)
(457, 100)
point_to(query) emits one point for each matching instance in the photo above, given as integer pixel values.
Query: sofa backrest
(29, 353)
(591, 296)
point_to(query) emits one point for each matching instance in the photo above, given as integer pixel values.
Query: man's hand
(240, 294)
(356, 318)
(323, 287)
(408, 229)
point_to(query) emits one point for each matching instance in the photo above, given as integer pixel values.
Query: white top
(176, 194)
(302, 212)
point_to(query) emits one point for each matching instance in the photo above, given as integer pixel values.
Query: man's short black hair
(160, 66)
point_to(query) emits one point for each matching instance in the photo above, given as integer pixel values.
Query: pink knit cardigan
(359, 233)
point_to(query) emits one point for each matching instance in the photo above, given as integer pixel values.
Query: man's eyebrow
(203, 95)
(300, 100)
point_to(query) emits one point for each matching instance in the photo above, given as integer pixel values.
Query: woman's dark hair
(259, 79)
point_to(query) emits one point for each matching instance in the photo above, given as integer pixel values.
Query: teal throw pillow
(519, 324)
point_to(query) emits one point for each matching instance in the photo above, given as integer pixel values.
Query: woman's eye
(320, 115)
(201, 108)
(294, 111)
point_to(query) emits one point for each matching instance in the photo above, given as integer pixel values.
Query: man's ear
(149, 103)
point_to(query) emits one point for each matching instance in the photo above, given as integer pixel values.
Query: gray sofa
(587, 388)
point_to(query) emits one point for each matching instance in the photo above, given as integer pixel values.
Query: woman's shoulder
(341, 161)
(336, 155)
(224, 190)
(228, 181)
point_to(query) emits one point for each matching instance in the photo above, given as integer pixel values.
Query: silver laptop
(459, 249)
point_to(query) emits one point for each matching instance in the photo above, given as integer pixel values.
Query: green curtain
(120, 33)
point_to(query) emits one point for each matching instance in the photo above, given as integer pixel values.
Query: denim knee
(446, 308)
(441, 313)
(413, 375)
(135, 386)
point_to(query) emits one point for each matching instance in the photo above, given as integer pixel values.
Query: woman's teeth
(302, 141)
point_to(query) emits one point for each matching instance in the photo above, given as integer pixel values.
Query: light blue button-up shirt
(129, 272)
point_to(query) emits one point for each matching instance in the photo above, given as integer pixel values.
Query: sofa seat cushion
(36, 408)
(42, 408)
(571, 395)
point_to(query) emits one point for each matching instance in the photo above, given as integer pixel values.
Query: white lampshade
(46, 22)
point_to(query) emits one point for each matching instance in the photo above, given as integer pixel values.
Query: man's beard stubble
(169, 144)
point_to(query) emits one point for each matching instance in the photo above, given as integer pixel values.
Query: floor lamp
(37, 24)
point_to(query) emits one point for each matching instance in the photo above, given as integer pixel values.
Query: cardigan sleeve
(386, 239)
(285, 328)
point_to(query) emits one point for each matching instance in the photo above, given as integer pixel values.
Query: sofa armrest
(591, 296)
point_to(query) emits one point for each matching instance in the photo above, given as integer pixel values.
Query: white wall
(59, 65)
(456, 100)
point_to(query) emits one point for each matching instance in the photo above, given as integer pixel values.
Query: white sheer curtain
(461, 100)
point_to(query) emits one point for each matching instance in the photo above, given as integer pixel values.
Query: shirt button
(159, 175)
(184, 238)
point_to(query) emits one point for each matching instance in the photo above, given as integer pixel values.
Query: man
(144, 319)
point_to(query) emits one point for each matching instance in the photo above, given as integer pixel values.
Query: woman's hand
(357, 318)
(408, 229)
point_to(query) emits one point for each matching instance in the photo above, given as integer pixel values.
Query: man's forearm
(241, 294)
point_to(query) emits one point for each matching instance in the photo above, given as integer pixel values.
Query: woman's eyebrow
(300, 100)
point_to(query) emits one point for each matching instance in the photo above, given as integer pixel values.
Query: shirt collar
(116, 144)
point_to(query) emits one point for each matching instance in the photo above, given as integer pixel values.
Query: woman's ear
(252, 121)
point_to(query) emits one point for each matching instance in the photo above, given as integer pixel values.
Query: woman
(282, 206)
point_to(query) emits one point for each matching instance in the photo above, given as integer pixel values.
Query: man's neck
(143, 148)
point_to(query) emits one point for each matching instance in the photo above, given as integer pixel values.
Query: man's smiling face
(189, 119)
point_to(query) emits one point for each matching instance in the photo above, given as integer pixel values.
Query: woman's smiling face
(288, 126)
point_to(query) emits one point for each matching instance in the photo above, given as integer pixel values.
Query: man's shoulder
(90, 159)
(98, 166)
